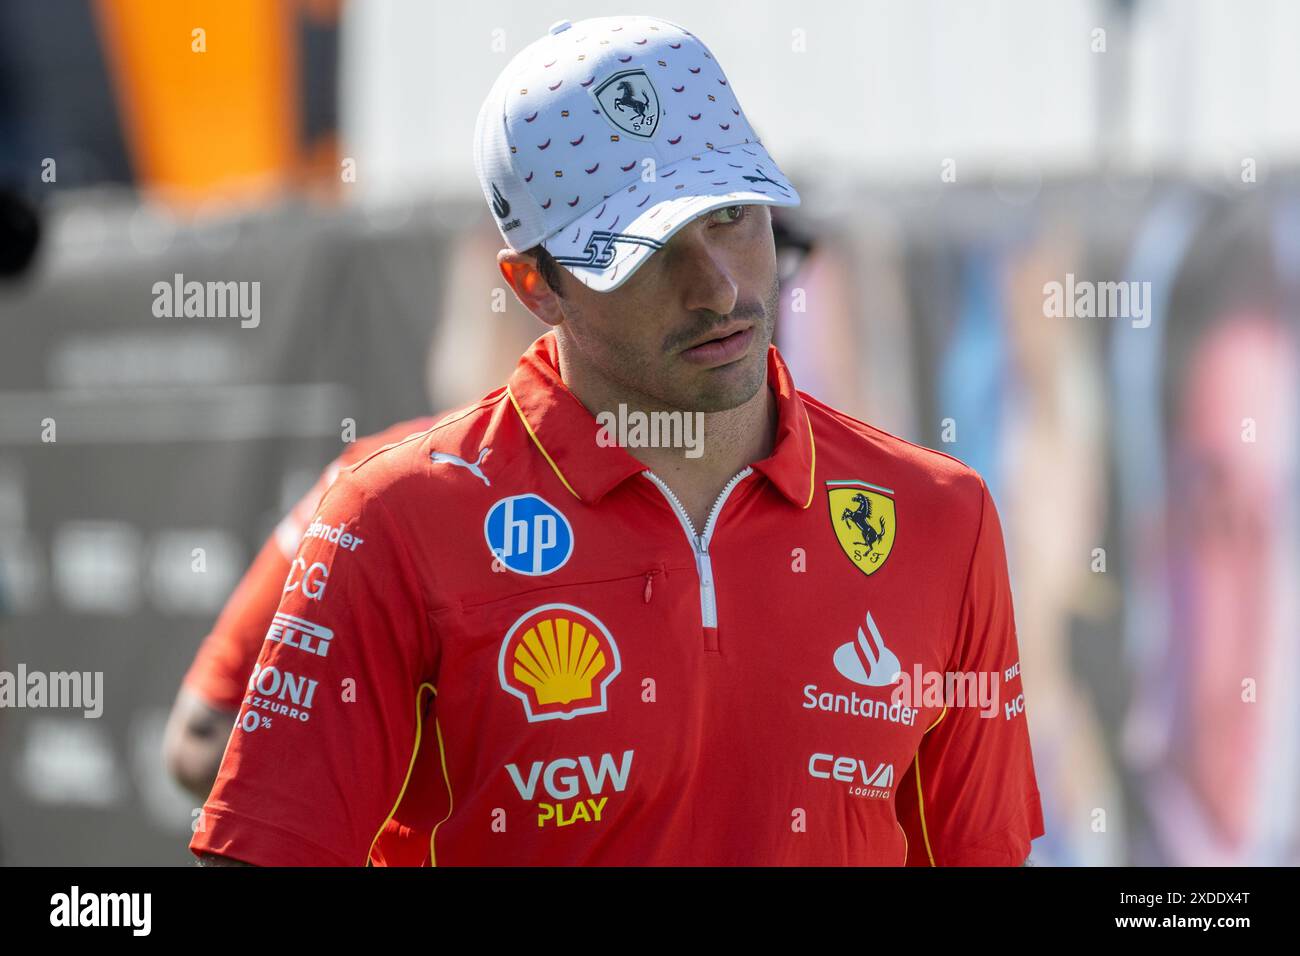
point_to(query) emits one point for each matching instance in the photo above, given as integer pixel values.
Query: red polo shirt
(511, 647)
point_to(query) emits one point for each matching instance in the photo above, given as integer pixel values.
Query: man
(540, 646)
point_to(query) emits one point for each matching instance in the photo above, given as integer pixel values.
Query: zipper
(700, 545)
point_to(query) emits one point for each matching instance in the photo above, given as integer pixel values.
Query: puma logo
(474, 469)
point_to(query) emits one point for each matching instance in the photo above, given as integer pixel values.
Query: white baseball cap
(606, 136)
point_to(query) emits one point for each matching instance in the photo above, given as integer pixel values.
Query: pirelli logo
(300, 633)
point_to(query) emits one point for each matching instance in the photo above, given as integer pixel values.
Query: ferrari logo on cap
(863, 518)
(630, 102)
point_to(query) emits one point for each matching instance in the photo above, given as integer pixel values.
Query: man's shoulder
(453, 453)
(846, 444)
(364, 447)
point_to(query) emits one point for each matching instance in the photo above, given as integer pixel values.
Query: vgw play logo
(569, 804)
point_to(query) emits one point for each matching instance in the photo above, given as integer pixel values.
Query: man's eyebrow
(690, 222)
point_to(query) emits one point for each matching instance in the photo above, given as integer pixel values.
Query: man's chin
(732, 385)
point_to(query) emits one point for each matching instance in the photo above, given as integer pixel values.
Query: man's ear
(529, 286)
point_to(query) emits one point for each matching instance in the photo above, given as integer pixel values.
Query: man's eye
(737, 213)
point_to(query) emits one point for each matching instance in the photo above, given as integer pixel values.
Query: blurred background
(959, 160)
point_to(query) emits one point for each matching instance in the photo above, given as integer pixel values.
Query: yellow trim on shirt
(920, 803)
(812, 468)
(442, 757)
(942, 715)
(554, 467)
(920, 797)
(419, 723)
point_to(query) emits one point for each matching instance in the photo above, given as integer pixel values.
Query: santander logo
(868, 661)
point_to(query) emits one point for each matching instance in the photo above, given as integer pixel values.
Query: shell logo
(558, 659)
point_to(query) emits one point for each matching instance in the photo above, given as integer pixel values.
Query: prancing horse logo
(630, 101)
(864, 520)
(861, 517)
(441, 457)
(627, 101)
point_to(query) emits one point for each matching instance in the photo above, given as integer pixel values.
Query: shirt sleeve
(226, 657)
(324, 739)
(970, 797)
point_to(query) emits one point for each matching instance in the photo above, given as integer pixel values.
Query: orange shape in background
(221, 123)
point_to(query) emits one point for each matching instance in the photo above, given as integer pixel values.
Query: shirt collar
(564, 431)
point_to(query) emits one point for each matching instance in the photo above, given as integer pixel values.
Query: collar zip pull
(700, 545)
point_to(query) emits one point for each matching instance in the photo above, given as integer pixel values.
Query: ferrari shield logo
(862, 515)
(629, 100)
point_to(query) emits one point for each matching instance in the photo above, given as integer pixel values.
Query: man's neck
(729, 441)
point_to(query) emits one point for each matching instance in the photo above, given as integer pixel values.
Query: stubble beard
(730, 387)
(723, 389)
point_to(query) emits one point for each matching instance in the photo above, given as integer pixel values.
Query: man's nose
(703, 273)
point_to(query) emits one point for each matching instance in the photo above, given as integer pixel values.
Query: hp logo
(528, 535)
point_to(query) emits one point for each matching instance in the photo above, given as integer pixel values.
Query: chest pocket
(556, 662)
(546, 698)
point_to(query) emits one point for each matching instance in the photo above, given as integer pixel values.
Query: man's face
(690, 329)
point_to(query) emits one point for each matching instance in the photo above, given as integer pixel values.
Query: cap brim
(605, 246)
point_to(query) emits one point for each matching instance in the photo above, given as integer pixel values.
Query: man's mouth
(722, 346)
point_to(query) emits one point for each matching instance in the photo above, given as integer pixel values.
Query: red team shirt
(507, 645)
